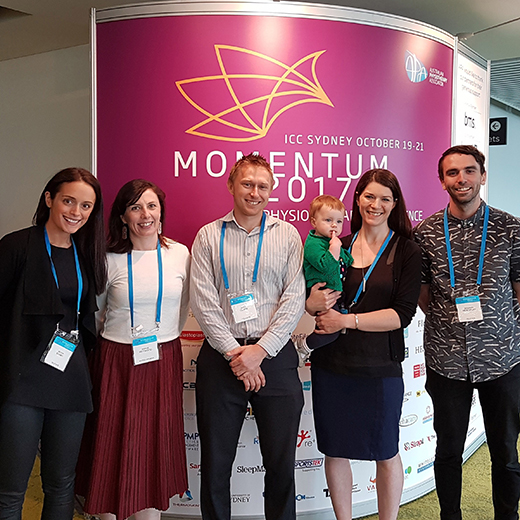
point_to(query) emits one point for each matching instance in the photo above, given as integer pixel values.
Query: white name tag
(59, 351)
(145, 350)
(469, 309)
(243, 308)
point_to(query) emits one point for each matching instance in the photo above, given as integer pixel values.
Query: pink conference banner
(179, 98)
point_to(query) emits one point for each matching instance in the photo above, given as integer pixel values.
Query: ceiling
(33, 26)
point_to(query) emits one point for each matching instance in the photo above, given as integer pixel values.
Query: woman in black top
(357, 380)
(49, 276)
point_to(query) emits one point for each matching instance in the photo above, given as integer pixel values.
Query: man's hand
(321, 301)
(516, 289)
(424, 297)
(253, 383)
(245, 364)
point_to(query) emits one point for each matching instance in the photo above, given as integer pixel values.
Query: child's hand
(335, 246)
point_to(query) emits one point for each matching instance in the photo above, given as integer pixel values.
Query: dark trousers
(500, 402)
(60, 432)
(221, 409)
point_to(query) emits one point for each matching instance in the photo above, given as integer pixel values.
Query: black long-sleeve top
(394, 283)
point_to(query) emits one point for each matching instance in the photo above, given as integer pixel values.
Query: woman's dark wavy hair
(398, 220)
(128, 195)
(90, 238)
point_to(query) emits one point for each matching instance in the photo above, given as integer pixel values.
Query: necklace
(362, 264)
(362, 238)
(362, 285)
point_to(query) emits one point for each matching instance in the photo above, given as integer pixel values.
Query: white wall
(503, 169)
(44, 127)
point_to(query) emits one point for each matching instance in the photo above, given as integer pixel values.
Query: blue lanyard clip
(361, 287)
(482, 248)
(137, 330)
(259, 249)
(78, 275)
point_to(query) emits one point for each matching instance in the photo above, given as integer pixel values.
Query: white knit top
(114, 314)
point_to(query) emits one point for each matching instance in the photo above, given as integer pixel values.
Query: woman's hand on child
(321, 301)
(330, 322)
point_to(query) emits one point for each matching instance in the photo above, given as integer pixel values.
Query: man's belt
(247, 341)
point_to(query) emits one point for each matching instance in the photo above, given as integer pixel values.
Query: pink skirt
(133, 454)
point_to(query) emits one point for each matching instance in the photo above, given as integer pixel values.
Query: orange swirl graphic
(245, 119)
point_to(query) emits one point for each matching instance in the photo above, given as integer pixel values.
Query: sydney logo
(250, 92)
(414, 68)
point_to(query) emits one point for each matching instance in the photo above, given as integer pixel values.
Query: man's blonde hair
(254, 160)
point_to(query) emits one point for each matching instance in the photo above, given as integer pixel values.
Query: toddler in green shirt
(324, 260)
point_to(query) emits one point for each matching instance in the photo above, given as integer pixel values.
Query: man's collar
(474, 218)
(230, 217)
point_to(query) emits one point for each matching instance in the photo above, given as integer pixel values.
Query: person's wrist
(312, 309)
(261, 352)
(344, 321)
(351, 321)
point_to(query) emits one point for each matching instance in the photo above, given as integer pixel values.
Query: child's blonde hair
(327, 201)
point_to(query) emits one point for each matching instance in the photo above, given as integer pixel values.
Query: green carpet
(476, 493)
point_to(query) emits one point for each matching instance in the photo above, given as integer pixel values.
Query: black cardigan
(30, 304)
(405, 258)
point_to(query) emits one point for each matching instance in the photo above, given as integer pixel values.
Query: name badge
(60, 349)
(145, 350)
(469, 309)
(243, 307)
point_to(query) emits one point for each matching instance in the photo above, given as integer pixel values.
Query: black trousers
(60, 432)
(221, 407)
(500, 402)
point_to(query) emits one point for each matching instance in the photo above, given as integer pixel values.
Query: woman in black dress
(357, 380)
(49, 276)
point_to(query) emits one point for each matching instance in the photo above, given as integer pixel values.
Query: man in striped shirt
(248, 294)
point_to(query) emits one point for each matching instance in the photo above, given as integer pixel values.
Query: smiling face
(143, 219)
(462, 180)
(327, 221)
(69, 210)
(376, 203)
(251, 189)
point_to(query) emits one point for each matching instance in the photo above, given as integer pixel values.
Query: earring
(160, 228)
(124, 233)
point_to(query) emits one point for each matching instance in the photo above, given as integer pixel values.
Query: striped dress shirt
(279, 291)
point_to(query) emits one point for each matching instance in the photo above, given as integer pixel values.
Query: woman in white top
(133, 458)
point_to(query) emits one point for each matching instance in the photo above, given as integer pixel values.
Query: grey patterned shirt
(479, 350)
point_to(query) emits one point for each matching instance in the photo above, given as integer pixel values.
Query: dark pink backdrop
(143, 117)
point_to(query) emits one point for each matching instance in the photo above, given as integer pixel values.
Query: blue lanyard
(131, 286)
(259, 249)
(78, 271)
(369, 272)
(482, 247)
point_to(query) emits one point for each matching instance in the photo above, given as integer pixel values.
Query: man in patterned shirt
(470, 295)
(248, 294)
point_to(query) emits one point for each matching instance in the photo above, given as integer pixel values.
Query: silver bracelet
(357, 321)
